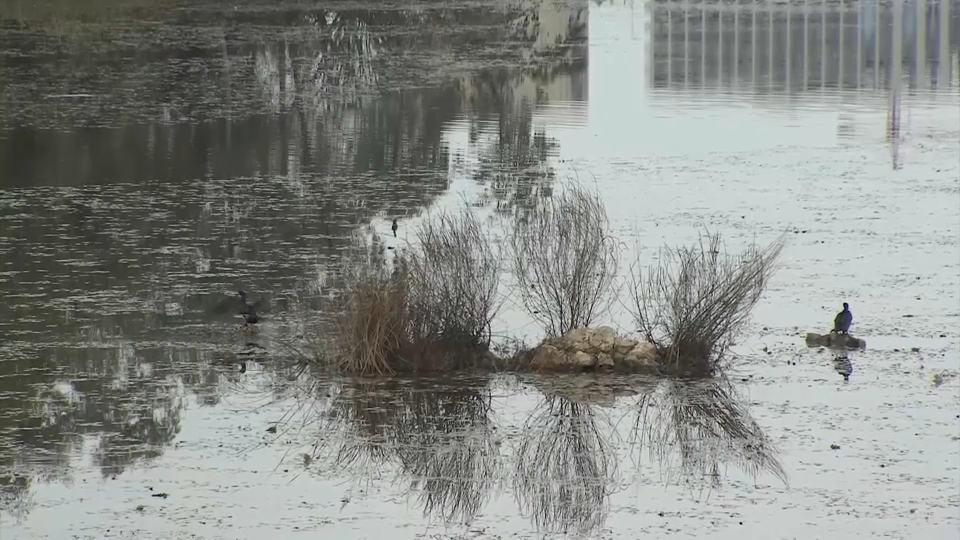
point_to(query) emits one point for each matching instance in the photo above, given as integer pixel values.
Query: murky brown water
(155, 156)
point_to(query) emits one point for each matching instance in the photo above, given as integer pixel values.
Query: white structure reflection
(803, 45)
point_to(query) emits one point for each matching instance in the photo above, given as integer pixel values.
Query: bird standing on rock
(394, 228)
(843, 320)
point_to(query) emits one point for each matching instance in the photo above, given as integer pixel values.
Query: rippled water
(155, 156)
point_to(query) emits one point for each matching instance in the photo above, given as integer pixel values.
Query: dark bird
(248, 310)
(843, 320)
(394, 228)
(241, 306)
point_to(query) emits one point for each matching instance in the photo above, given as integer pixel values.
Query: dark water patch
(152, 164)
(209, 63)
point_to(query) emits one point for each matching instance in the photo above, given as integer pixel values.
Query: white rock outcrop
(593, 348)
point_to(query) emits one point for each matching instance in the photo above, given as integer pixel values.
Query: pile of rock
(593, 348)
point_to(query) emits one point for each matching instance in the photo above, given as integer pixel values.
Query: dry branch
(565, 260)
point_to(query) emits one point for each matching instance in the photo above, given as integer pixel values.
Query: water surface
(155, 157)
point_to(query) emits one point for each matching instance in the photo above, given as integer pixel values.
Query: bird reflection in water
(843, 365)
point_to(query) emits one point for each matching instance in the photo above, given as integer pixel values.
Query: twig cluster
(696, 300)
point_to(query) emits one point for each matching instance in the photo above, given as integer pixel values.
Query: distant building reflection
(802, 45)
(558, 87)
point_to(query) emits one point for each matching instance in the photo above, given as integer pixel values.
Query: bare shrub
(432, 311)
(453, 276)
(696, 301)
(565, 260)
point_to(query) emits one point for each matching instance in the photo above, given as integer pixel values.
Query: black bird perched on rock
(394, 228)
(843, 320)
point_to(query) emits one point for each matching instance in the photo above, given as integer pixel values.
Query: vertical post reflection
(944, 78)
(921, 45)
(823, 50)
(851, 45)
(669, 48)
(686, 45)
(896, 79)
(753, 46)
(841, 77)
(736, 44)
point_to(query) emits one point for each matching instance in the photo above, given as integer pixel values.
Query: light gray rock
(585, 348)
(548, 357)
(623, 345)
(604, 360)
(577, 339)
(643, 354)
(602, 340)
(583, 359)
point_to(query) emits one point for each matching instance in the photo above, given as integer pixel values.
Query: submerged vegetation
(432, 306)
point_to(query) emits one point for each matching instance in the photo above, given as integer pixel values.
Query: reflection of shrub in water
(696, 301)
(705, 426)
(438, 434)
(15, 497)
(564, 467)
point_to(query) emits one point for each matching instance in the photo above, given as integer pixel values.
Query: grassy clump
(432, 311)
(565, 260)
(694, 303)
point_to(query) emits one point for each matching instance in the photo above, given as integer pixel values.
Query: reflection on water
(437, 433)
(560, 463)
(843, 364)
(705, 427)
(150, 167)
(564, 466)
(798, 46)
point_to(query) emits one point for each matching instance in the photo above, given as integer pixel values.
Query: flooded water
(157, 155)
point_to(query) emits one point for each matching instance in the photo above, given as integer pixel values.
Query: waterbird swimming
(843, 320)
(248, 310)
(241, 306)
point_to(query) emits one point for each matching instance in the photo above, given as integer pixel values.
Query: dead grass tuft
(432, 311)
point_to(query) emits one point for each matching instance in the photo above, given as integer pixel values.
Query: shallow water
(153, 160)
